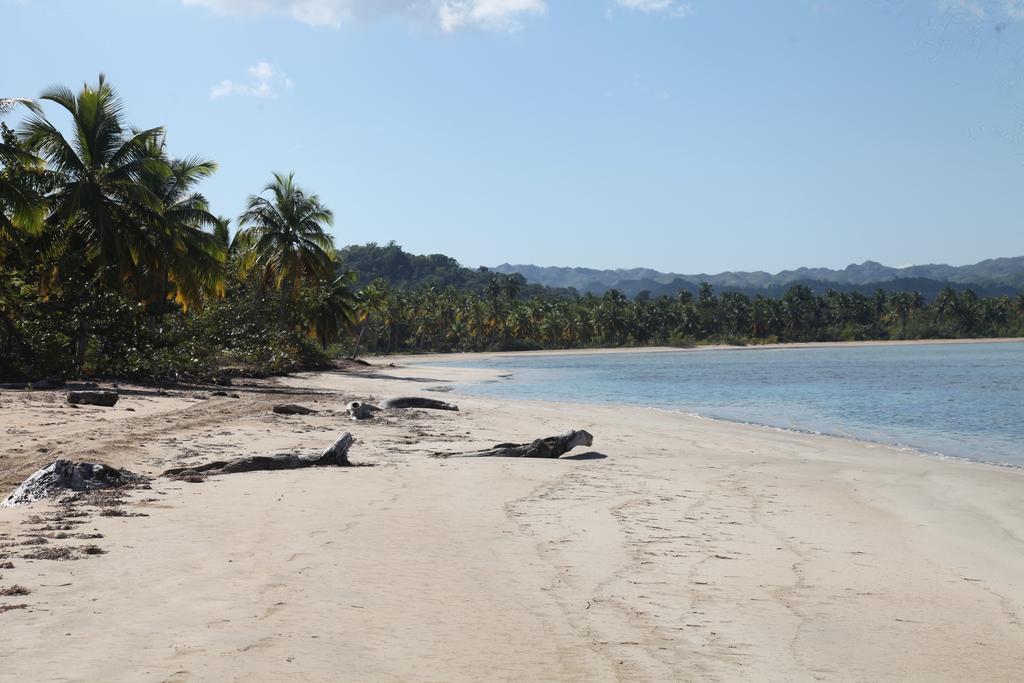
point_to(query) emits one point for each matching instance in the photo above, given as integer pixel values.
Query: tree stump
(63, 475)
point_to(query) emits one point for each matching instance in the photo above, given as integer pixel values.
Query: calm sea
(961, 400)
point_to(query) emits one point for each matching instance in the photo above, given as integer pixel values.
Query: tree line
(112, 263)
(499, 318)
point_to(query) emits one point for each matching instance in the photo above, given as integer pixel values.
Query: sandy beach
(676, 548)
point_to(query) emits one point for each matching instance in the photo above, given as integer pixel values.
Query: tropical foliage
(111, 261)
(432, 319)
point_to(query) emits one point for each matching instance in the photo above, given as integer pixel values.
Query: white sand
(694, 550)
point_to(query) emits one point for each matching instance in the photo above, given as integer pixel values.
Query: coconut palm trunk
(359, 339)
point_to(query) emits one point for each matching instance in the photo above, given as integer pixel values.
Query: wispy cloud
(673, 8)
(997, 10)
(492, 14)
(449, 15)
(264, 80)
(971, 7)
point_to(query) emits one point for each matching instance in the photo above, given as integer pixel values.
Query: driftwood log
(65, 475)
(417, 402)
(361, 410)
(336, 455)
(292, 409)
(106, 399)
(551, 447)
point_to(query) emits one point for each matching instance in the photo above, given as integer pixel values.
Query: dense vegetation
(431, 303)
(451, 320)
(402, 270)
(112, 264)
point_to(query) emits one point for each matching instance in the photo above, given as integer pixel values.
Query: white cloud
(1014, 9)
(671, 7)
(493, 14)
(265, 80)
(449, 15)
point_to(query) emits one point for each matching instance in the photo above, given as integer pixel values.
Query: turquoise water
(961, 400)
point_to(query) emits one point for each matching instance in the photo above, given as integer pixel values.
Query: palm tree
(222, 231)
(21, 206)
(372, 299)
(610, 317)
(801, 313)
(99, 204)
(21, 211)
(901, 305)
(9, 103)
(283, 240)
(336, 311)
(183, 261)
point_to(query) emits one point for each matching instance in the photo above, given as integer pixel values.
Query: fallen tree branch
(551, 447)
(361, 410)
(336, 455)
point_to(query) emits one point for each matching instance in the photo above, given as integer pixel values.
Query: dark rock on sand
(93, 398)
(292, 409)
(418, 402)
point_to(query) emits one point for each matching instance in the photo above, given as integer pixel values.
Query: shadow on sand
(592, 455)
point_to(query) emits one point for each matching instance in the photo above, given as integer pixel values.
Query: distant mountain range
(991, 277)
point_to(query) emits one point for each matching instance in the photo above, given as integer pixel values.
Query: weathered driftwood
(360, 410)
(551, 447)
(64, 475)
(336, 455)
(292, 409)
(93, 398)
(417, 402)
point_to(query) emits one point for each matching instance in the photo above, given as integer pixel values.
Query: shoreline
(483, 355)
(676, 548)
(896, 448)
(493, 374)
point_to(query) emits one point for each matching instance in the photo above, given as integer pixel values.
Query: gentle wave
(910, 450)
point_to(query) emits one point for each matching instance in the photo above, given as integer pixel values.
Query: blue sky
(693, 136)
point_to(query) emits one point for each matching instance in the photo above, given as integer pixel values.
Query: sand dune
(675, 549)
